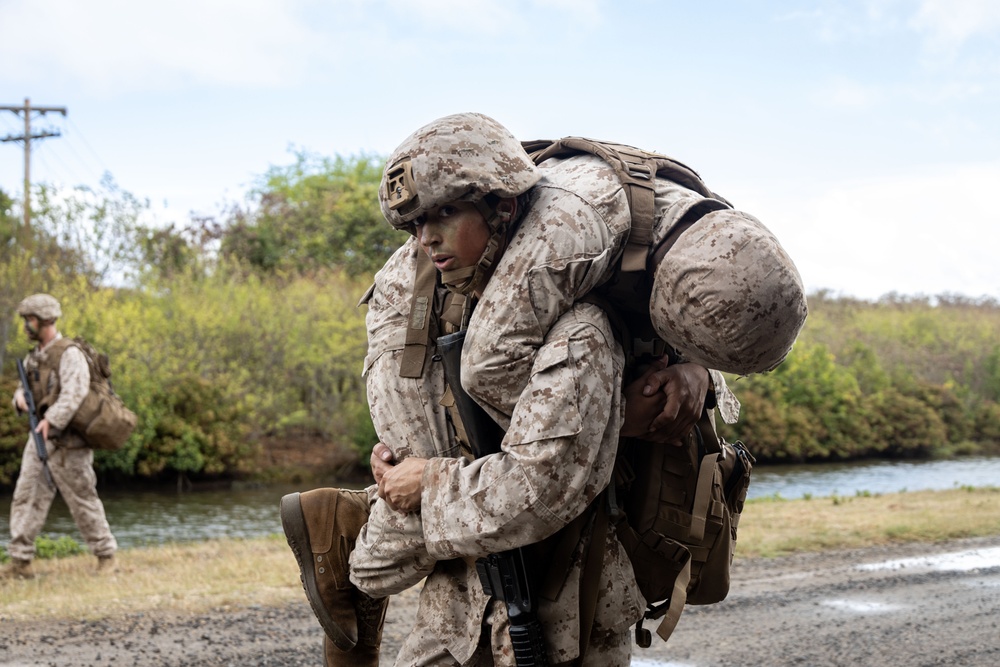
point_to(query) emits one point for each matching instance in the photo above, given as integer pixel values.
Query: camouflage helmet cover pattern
(462, 157)
(42, 306)
(728, 296)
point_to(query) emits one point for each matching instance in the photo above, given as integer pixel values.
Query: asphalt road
(911, 605)
(935, 605)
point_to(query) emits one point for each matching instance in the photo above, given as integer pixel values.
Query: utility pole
(27, 110)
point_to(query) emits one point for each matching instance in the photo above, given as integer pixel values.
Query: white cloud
(949, 24)
(109, 44)
(945, 25)
(930, 232)
(587, 11)
(848, 94)
(839, 21)
(477, 17)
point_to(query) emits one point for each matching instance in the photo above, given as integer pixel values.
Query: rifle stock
(504, 575)
(29, 398)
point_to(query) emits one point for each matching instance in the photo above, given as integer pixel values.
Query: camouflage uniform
(70, 461)
(557, 462)
(546, 367)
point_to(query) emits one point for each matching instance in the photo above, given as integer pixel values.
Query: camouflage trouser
(73, 473)
(424, 650)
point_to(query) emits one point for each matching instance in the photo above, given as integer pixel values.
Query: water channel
(150, 517)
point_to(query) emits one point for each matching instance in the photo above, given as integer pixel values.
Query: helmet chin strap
(472, 278)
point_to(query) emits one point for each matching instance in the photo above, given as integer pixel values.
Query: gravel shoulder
(807, 609)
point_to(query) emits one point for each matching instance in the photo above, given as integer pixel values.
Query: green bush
(233, 334)
(13, 431)
(212, 364)
(48, 547)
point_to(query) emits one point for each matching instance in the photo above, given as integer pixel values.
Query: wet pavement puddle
(861, 606)
(959, 561)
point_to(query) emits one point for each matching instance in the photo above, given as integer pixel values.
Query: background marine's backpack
(102, 420)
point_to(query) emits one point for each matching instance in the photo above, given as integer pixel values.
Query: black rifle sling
(503, 575)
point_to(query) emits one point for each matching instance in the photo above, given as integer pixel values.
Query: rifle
(503, 575)
(29, 398)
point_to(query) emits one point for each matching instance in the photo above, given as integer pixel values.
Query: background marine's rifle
(504, 575)
(29, 398)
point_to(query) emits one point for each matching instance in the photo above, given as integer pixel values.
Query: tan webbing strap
(677, 601)
(637, 174)
(421, 311)
(454, 312)
(702, 496)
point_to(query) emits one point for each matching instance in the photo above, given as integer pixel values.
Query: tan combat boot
(19, 569)
(321, 527)
(371, 618)
(107, 564)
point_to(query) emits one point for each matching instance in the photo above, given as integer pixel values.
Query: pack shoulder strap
(636, 170)
(418, 329)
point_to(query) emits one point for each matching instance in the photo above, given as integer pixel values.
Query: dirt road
(935, 605)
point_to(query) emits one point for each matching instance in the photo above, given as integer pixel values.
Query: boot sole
(293, 522)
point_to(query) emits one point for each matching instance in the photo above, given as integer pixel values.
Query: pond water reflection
(848, 479)
(157, 516)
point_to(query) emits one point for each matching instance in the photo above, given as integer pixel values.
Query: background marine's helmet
(42, 306)
(726, 295)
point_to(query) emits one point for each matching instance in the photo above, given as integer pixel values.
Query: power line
(78, 133)
(54, 163)
(26, 111)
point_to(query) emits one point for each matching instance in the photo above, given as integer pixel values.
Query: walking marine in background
(59, 374)
(527, 245)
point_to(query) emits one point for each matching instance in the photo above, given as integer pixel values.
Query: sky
(864, 133)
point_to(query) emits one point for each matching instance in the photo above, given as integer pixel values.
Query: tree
(317, 213)
(99, 225)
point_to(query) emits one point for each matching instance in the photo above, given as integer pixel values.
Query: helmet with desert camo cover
(727, 295)
(44, 307)
(462, 157)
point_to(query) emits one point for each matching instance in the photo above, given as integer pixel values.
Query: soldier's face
(453, 235)
(31, 327)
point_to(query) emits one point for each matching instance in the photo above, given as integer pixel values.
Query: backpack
(681, 507)
(102, 420)
(675, 508)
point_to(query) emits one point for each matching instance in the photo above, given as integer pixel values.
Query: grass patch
(198, 577)
(774, 527)
(186, 578)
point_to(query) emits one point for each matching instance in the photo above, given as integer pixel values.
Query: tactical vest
(676, 508)
(102, 420)
(43, 374)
